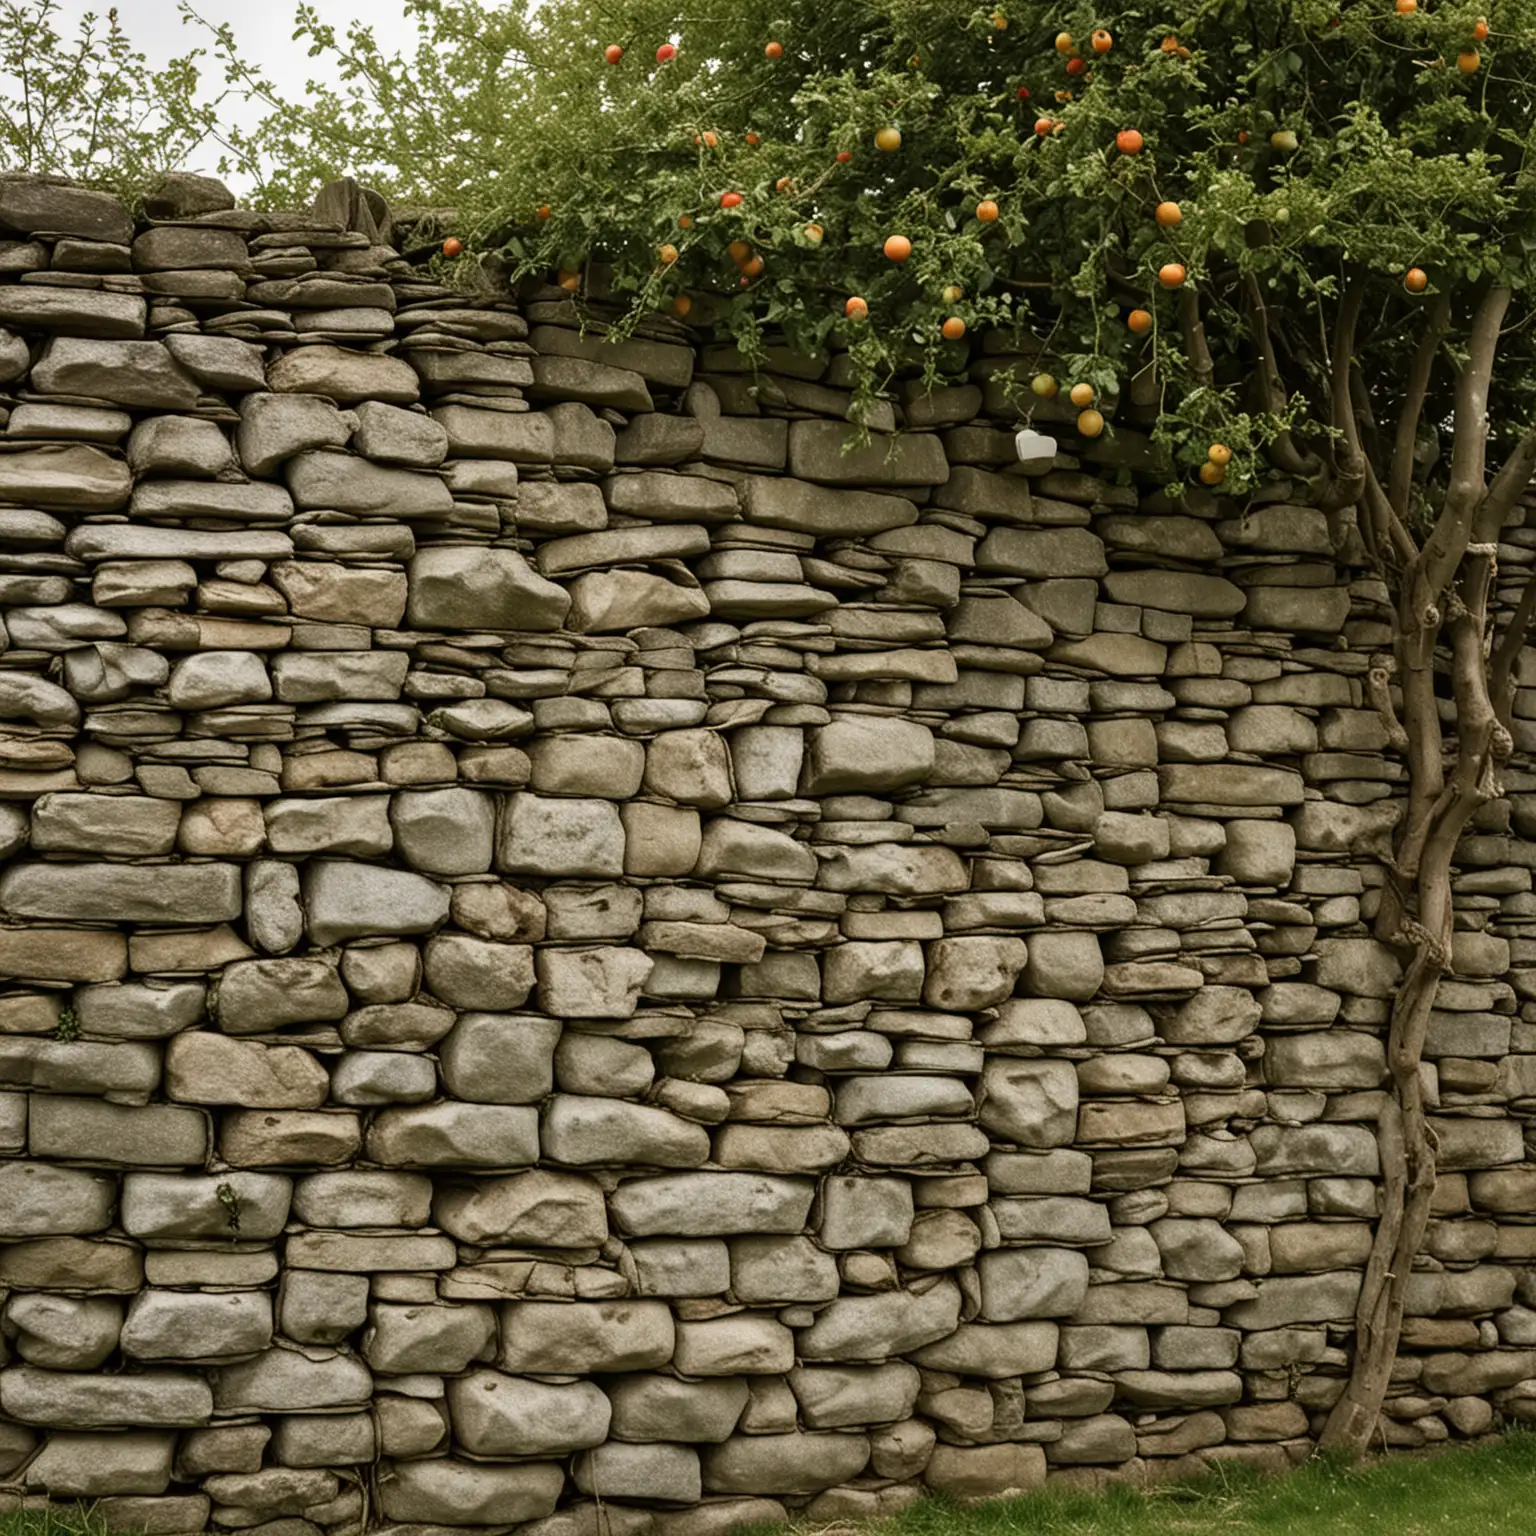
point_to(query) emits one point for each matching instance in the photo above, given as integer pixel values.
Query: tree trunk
(1408, 1186)
(1439, 808)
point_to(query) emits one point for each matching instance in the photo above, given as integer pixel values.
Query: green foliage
(84, 103)
(67, 1030)
(1401, 159)
(552, 158)
(229, 1198)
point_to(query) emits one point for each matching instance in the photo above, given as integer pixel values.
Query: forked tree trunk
(1440, 805)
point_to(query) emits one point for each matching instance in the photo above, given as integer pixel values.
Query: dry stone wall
(577, 956)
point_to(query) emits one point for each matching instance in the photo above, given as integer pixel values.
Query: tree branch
(1506, 653)
(1469, 441)
(1286, 455)
(1505, 489)
(1193, 328)
(1400, 470)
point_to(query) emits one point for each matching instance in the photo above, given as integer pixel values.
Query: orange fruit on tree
(543, 212)
(1405, 7)
(1212, 474)
(844, 156)
(685, 221)
(1480, 30)
(730, 199)
(752, 266)
(1169, 214)
(613, 53)
(1043, 126)
(855, 308)
(953, 294)
(1063, 96)
(784, 184)
(1128, 141)
(813, 233)
(666, 53)
(888, 139)
(999, 21)
(570, 281)
(1081, 394)
(1077, 66)
(1063, 42)
(1044, 386)
(1242, 135)
(1469, 61)
(897, 247)
(668, 254)
(738, 251)
(1219, 453)
(753, 140)
(452, 247)
(1416, 280)
(774, 50)
(986, 211)
(681, 305)
(1171, 275)
(953, 328)
(1140, 321)
(1090, 423)
(1102, 41)
(708, 140)
(1169, 44)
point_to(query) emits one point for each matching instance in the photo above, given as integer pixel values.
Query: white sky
(263, 28)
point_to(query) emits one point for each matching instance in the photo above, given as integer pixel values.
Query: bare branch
(1464, 493)
(1501, 668)
(1505, 489)
(1400, 470)
(1193, 328)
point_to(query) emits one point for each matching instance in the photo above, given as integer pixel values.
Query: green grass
(1487, 1487)
(66, 1520)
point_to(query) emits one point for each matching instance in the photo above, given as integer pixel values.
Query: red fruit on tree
(774, 50)
(730, 199)
(452, 247)
(666, 53)
(613, 53)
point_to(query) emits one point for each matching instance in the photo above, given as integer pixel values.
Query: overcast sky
(264, 29)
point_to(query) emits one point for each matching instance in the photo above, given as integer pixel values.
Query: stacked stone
(577, 950)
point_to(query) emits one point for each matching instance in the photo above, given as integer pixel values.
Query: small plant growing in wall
(229, 1198)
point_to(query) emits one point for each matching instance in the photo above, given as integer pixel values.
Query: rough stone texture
(560, 951)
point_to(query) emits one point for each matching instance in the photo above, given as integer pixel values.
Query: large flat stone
(111, 893)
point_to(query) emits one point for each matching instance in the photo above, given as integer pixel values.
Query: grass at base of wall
(1470, 1489)
(66, 1520)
